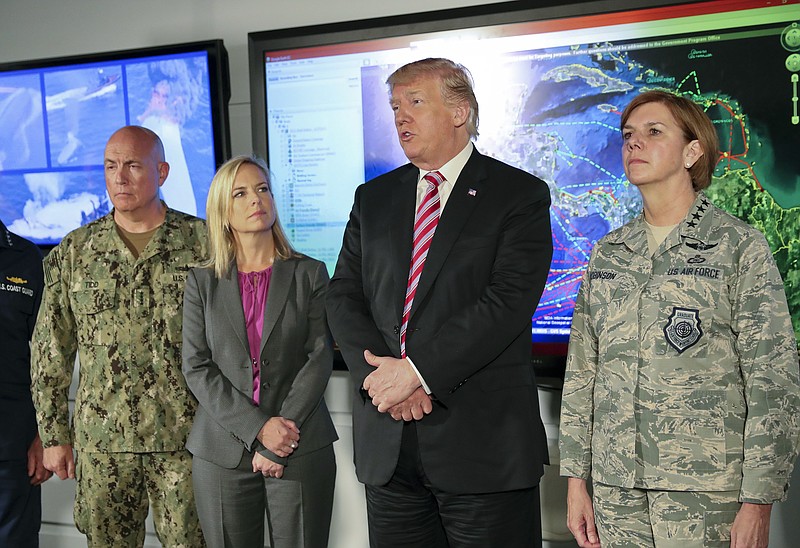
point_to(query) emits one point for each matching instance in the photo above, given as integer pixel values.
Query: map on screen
(550, 103)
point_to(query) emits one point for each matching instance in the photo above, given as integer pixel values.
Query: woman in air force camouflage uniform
(681, 392)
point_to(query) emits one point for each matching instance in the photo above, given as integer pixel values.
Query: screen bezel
(408, 24)
(219, 78)
(549, 359)
(218, 75)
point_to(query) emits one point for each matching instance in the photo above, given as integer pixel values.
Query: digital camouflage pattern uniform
(682, 371)
(123, 318)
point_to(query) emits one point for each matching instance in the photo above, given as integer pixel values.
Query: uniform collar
(5, 237)
(107, 238)
(695, 226)
(698, 221)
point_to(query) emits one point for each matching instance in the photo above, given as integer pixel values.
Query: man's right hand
(60, 460)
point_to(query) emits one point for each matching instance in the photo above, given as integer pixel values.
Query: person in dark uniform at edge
(21, 469)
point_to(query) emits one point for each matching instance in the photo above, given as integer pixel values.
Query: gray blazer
(296, 361)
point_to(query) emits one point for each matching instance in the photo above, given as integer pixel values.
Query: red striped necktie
(425, 223)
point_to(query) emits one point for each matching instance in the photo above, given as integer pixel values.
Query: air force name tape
(683, 328)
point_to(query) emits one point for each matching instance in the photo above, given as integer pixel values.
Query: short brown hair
(455, 84)
(695, 125)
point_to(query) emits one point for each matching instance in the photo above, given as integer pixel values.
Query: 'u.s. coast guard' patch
(683, 328)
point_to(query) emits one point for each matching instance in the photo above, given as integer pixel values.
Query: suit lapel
(279, 283)
(463, 200)
(404, 197)
(232, 303)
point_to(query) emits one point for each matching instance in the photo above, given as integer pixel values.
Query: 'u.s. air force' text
(702, 271)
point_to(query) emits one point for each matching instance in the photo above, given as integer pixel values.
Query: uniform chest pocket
(169, 299)
(612, 295)
(687, 309)
(94, 306)
(19, 302)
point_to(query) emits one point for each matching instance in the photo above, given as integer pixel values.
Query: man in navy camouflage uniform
(114, 292)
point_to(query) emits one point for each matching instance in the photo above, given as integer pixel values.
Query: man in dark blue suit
(432, 313)
(21, 469)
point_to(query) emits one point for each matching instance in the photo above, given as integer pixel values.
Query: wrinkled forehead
(127, 150)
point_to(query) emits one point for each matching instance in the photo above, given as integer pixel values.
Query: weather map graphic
(566, 131)
(551, 92)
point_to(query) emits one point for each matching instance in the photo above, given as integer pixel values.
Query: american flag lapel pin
(472, 192)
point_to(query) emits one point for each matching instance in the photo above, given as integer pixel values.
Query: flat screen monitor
(551, 83)
(57, 114)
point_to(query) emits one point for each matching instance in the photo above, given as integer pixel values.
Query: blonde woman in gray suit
(257, 355)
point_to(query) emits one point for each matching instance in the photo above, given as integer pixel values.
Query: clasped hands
(281, 436)
(394, 388)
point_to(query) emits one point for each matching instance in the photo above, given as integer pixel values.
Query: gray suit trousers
(298, 506)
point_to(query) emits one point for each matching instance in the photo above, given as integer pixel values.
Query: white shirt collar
(452, 169)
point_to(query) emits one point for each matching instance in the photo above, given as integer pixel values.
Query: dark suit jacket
(469, 329)
(296, 361)
(21, 287)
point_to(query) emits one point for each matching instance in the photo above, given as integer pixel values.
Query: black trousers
(20, 506)
(409, 512)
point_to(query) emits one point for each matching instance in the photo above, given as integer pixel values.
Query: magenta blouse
(253, 287)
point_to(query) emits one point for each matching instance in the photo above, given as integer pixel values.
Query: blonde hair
(455, 83)
(218, 208)
(695, 125)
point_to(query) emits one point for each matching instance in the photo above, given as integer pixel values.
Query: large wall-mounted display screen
(57, 114)
(551, 84)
